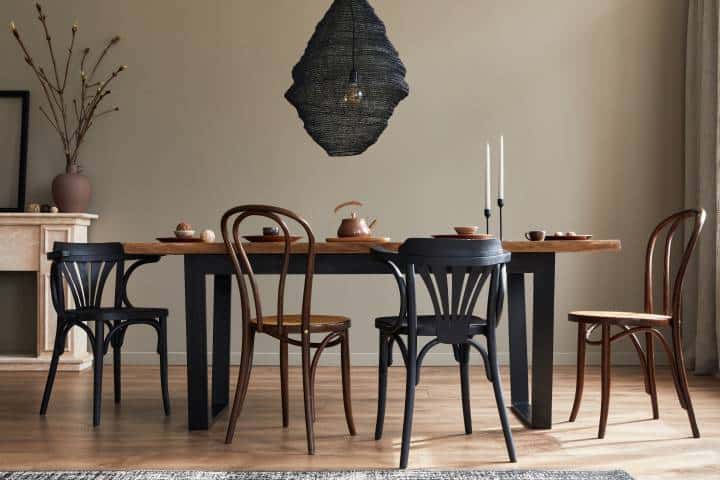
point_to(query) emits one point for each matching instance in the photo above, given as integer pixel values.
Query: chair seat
(89, 314)
(318, 323)
(426, 325)
(635, 319)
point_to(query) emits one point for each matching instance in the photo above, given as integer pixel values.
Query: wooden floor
(136, 435)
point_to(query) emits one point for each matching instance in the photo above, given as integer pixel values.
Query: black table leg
(543, 328)
(537, 414)
(221, 344)
(519, 395)
(196, 329)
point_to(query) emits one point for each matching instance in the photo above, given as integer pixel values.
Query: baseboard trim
(370, 359)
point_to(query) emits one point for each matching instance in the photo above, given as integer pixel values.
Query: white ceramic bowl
(184, 233)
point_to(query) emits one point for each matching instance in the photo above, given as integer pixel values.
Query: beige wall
(588, 94)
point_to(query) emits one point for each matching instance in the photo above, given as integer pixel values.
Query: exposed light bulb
(353, 93)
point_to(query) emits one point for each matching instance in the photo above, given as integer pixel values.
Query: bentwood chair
(630, 324)
(470, 264)
(84, 269)
(289, 329)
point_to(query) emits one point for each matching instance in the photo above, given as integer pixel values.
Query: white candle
(501, 186)
(487, 176)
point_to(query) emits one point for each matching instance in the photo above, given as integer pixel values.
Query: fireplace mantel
(25, 239)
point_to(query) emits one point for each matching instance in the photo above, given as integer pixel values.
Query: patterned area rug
(349, 475)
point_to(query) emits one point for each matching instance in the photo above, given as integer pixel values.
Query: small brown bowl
(184, 233)
(469, 230)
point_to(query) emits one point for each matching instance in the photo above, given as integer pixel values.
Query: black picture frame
(24, 96)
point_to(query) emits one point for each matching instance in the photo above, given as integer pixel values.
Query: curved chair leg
(642, 357)
(410, 382)
(464, 362)
(117, 369)
(383, 362)
(313, 373)
(98, 370)
(307, 392)
(391, 342)
(284, 380)
(580, 371)
(670, 353)
(347, 391)
(650, 362)
(499, 400)
(679, 361)
(163, 351)
(58, 349)
(243, 382)
(605, 376)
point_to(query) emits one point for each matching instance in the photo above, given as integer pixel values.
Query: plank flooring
(136, 435)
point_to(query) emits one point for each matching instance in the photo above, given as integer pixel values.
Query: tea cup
(535, 235)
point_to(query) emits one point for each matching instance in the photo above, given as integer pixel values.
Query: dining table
(530, 402)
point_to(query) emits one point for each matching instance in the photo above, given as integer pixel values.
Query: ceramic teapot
(354, 226)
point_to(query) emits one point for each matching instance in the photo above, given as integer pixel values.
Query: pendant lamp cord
(352, 16)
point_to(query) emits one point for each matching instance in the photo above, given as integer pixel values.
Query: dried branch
(84, 125)
(43, 19)
(110, 44)
(38, 70)
(101, 92)
(75, 108)
(69, 57)
(86, 52)
(50, 120)
(86, 106)
(105, 112)
(83, 79)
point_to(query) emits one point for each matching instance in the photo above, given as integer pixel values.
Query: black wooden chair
(470, 264)
(84, 268)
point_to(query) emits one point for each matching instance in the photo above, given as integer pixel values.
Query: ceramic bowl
(184, 233)
(469, 230)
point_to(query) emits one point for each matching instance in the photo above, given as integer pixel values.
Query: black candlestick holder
(501, 204)
(487, 221)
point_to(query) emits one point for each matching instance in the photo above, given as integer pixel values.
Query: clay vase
(71, 191)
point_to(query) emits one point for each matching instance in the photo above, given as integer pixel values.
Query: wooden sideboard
(25, 239)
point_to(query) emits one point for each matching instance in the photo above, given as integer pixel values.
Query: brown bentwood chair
(281, 326)
(647, 322)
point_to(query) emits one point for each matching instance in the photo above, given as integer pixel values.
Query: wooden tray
(468, 236)
(568, 237)
(366, 240)
(179, 240)
(270, 238)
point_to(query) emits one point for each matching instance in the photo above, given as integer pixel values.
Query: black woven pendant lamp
(349, 80)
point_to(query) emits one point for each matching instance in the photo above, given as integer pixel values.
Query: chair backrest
(85, 267)
(230, 225)
(469, 263)
(672, 287)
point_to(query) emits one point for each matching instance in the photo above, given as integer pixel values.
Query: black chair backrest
(469, 263)
(85, 267)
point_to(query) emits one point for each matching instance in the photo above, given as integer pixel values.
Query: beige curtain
(702, 150)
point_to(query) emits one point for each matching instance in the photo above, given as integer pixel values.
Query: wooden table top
(218, 248)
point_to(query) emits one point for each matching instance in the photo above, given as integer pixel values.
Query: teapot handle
(347, 204)
(372, 223)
